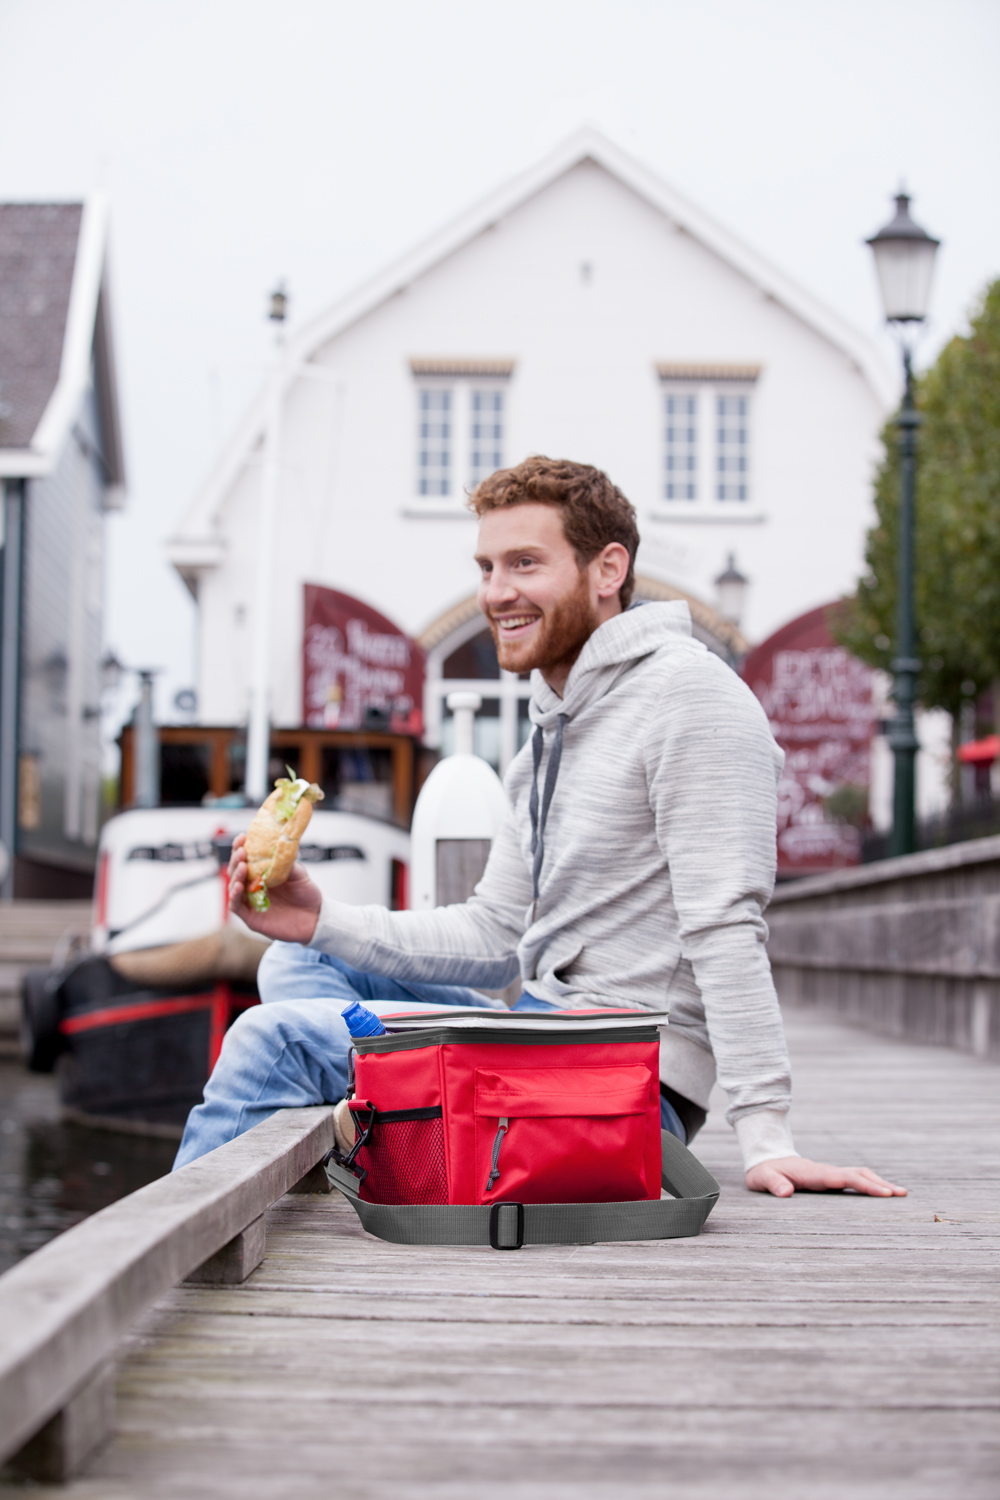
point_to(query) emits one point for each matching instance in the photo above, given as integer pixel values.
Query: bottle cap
(360, 1021)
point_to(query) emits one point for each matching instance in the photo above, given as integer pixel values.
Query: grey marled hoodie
(659, 852)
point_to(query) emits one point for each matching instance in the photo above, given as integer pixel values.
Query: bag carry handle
(695, 1190)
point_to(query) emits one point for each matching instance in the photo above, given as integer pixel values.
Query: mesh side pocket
(404, 1158)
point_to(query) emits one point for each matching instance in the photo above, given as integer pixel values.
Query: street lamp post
(256, 782)
(904, 263)
(730, 599)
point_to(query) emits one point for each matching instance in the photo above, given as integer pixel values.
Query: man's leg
(290, 972)
(280, 1056)
(291, 1050)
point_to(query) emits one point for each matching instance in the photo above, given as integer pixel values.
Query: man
(633, 870)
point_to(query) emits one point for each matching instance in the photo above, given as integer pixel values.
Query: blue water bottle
(361, 1021)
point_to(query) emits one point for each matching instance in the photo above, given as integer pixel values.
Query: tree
(957, 578)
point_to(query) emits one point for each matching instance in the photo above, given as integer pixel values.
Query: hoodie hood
(607, 654)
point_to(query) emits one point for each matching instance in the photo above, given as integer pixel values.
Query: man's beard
(560, 637)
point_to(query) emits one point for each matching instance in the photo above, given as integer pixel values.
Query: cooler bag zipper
(494, 1168)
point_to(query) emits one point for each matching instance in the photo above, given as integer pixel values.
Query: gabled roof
(586, 144)
(54, 318)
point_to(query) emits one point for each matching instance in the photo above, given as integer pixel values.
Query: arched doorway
(461, 655)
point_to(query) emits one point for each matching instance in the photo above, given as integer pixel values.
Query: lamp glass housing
(731, 593)
(904, 263)
(904, 269)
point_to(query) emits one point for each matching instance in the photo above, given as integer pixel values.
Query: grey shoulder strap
(508, 1226)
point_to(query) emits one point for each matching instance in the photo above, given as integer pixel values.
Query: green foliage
(957, 583)
(848, 804)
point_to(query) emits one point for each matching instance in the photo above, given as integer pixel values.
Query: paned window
(462, 415)
(486, 434)
(705, 449)
(680, 447)
(732, 457)
(435, 452)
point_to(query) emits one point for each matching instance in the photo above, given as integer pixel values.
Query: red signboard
(353, 658)
(820, 703)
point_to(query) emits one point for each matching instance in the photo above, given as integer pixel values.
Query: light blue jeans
(292, 1049)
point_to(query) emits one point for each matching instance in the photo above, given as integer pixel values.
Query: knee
(265, 1030)
(263, 1025)
(299, 1042)
(279, 962)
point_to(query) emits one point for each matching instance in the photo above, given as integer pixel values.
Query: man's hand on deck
(294, 906)
(782, 1176)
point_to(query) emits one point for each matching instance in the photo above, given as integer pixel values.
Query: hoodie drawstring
(538, 822)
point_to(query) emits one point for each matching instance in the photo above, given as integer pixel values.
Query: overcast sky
(245, 140)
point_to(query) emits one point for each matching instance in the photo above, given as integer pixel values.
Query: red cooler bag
(516, 1127)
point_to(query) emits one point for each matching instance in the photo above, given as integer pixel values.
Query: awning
(980, 752)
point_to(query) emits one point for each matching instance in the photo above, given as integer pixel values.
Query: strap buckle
(366, 1134)
(495, 1226)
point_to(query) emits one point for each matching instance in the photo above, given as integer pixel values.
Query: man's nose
(500, 589)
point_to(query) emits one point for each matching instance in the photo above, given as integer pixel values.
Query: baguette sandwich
(272, 841)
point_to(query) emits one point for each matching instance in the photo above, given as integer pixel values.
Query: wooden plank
(64, 1309)
(364, 1305)
(825, 1346)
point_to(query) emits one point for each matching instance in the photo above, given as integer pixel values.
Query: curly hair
(594, 511)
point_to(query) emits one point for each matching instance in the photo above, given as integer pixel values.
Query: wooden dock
(810, 1348)
(32, 934)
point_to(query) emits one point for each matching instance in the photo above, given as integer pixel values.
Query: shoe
(343, 1127)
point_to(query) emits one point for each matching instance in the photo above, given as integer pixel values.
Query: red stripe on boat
(146, 1010)
(221, 1011)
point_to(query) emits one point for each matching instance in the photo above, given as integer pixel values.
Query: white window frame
(679, 389)
(438, 384)
(461, 383)
(746, 392)
(706, 507)
(475, 387)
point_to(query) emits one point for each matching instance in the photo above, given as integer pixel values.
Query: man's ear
(610, 569)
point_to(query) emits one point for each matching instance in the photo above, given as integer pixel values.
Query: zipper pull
(494, 1169)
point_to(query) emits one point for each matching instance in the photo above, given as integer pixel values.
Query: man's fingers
(867, 1181)
(854, 1180)
(237, 882)
(236, 855)
(767, 1179)
(783, 1175)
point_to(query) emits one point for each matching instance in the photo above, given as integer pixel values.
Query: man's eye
(526, 562)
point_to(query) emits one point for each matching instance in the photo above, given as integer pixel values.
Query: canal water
(52, 1173)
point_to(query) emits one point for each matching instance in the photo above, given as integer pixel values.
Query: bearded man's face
(540, 604)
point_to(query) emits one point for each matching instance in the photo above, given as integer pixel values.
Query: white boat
(134, 1025)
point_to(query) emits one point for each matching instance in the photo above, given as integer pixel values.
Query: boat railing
(65, 1309)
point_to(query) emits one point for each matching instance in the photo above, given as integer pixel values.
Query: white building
(584, 310)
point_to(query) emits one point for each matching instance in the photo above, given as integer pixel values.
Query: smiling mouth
(509, 625)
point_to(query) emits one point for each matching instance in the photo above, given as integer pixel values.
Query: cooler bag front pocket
(562, 1135)
(400, 1153)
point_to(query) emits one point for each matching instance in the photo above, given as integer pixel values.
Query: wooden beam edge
(64, 1309)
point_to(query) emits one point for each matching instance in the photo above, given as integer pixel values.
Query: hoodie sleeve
(474, 943)
(712, 769)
